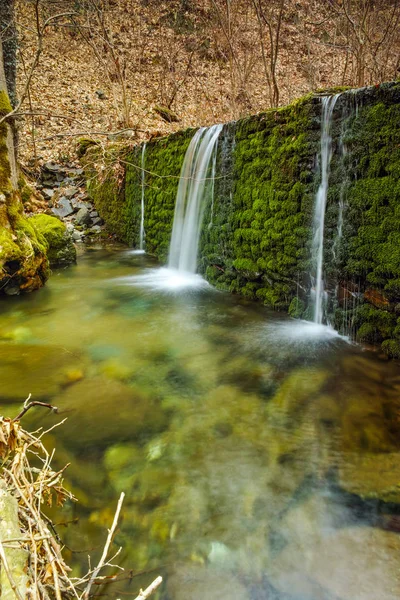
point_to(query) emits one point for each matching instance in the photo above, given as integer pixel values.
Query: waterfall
(194, 184)
(142, 232)
(328, 104)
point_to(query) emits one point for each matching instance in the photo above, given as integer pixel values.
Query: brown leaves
(9, 436)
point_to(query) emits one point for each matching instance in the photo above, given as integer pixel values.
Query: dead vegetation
(31, 561)
(110, 65)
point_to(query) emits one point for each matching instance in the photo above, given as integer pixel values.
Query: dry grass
(26, 476)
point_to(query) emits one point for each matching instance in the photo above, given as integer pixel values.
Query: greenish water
(260, 459)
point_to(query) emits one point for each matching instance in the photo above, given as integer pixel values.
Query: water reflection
(258, 463)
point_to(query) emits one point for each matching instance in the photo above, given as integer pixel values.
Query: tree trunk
(23, 261)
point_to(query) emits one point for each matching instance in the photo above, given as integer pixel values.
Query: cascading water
(328, 104)
(142, 232)
(194, 183)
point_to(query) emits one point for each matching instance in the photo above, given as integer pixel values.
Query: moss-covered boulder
(59, 245)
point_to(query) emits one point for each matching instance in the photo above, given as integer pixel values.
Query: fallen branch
(106, 547)
(143, 594)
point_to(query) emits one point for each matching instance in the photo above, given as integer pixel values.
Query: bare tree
(269, 19)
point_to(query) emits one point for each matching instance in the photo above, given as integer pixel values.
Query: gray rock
(83, 217)
(77, 205)
(94, 214)
(64, 208)
(76, 236)
(95, 229)
(52, 167)
(71, 191)
(98, 221)
(12, 289)
(48, 193)
(70, 228)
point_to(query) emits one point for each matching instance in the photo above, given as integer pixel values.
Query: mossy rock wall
(257, 229)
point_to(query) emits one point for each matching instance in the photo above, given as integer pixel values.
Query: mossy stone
(59, 245)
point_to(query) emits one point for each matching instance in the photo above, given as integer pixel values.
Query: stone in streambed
(101, 410)
(372, 475)
(33, 369)
(200, 582)
(296, 392)
(353, 563)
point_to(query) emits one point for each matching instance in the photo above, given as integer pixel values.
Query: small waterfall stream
(328, 104)
(142, 231)
(195, 182)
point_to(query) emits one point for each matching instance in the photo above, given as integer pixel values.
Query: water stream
(142, 231)
(328, 104)
(258, 464)
(196, 180)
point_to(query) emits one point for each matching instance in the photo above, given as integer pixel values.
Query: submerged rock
(372, 475)
(199, 582)
(34, 369)
(102, 410)
(354, 563)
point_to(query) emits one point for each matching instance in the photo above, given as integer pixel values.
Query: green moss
(83, 144)
(392, 348)
(52, 233)
(5, 104)
(296, 308)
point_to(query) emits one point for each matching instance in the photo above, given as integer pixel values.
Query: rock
(92, 403)
(70, 228)
(71, 191)
(52, 167)
(354, 563)
(33, 369)
(60, 249)
(12, 289)
(96, 229)
(97, 221)
(372, 475)
(77, 204)
(48, 193)
(77, 235)
(199, 582)
(296, 392)
(64, 208)
(83, 217)
(94, 214)
(101, 95)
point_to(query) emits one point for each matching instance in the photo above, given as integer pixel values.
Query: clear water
(260, 456)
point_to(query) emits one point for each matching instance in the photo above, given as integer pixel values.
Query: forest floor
(205, 65)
